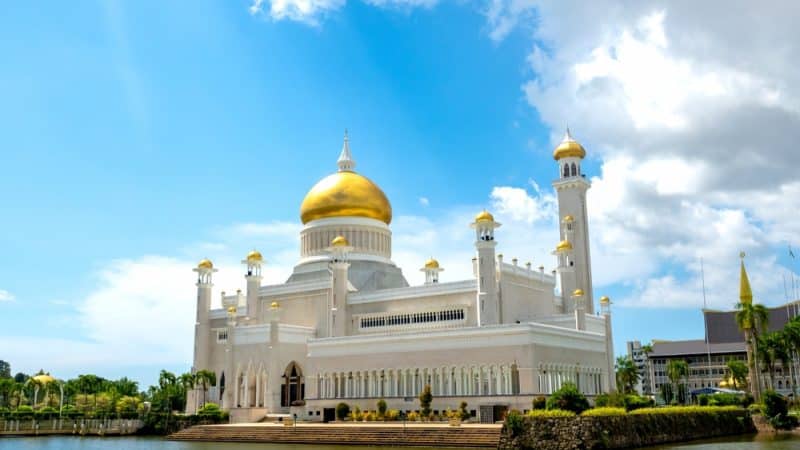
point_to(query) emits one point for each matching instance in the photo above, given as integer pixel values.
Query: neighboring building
(346, 326)
(708, 362)
(639, 358)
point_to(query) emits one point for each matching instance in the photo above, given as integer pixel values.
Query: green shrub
(615, 399)
(342, 411)
(210, 411)
(776, 411)
(686, 409)
(604, 411)
(632, 402)
(568, 398)
(515, 423)
(540, 402)
(381, 408)
(536, 413)
(723, 399)
(413, 416)
(392, 414)
(425, 398)
(756, 408)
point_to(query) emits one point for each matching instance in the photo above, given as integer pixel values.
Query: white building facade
(346, 325)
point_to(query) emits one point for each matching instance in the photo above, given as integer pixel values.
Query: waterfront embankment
(394, 434)
(622, 431)
(56, 426)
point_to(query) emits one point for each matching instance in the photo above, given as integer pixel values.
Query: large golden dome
(344, 194)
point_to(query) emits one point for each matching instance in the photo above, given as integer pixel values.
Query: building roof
(693, 347)
(722, 324)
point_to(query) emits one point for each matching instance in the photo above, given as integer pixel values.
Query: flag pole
(705, 317)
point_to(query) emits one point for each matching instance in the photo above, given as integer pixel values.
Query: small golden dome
(231, 310)
(255, 255)
(431, 264)
(44, 378)
(577, 293)
(484, 216)
(344, 194)
(339, 241)
(205, 264)
(568, 218)
(564, 246)
(274, 305)
(569, 148)
(604, 300)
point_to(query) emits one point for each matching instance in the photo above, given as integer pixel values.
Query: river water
(140, 443)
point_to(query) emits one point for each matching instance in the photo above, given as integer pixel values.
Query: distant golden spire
(745, 293)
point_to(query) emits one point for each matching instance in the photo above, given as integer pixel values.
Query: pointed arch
(293, 386)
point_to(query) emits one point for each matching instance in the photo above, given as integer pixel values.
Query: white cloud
(6, 296)
(307, 11)
(424, 201)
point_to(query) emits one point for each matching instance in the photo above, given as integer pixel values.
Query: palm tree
(167, 383)
(737, 372)
(752, 318)
(188, 382)
(627, 374)
(792, 332)
(35, 384)
(647, 349)
(677, 369)
(205, 378)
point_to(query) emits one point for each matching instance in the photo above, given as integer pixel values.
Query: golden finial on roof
(274, 305)
(339, 241)
(205, 264)
(484, 216)
(745, 292)
(255, 256)
(431, 264)
(577, 293)
(563, 246)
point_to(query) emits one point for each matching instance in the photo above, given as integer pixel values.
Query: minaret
(202, 326)
(253, 262)
(346, 162)
(431, 270)
(339, 251)
(571, 187)
(580, 310)
(605, 310)
(488, 298)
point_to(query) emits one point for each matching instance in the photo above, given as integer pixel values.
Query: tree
(381, 408)
(36, 385)
(751, 319)
(205, 378)
(772, 349)
(627, 374)
(677, 369)
(342, 411)
(568, 398)
(5, 369)
(737, 372)
(425, 399)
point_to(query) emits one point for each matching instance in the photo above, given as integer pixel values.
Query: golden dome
(205, 264)
(431, 264)
(568, 218)
(231, 310)
(274, 305)
(605, 300)
(255, 255)
(569, 147)
(44, 378)
(484, 216)
(344, 194)
(564, 246)
(577, 293)
(339, 241)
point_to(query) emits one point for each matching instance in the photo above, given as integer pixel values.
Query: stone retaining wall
(628, 431)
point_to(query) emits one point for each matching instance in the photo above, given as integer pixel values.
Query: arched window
(574, 170)
(293, 387)
(221, 385)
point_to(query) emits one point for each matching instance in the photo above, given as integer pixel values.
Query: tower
(605, 310)
(202, 326)
(253, 263)
(488, 299)
(431, 270)
(339, 251)
(571, 187)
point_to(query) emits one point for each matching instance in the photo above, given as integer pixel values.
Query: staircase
(395, 435)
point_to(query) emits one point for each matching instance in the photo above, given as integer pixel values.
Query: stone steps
(481, 437)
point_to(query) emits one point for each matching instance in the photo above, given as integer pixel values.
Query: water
(141, 443)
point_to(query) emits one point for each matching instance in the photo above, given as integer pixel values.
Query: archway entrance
(293, 389)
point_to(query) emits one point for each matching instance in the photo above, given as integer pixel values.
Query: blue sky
(139, 137)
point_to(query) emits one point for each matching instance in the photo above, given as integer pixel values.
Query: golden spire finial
(745, 292)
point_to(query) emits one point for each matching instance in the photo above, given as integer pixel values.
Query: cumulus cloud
(695, 125)
(6, 296)
(310, 11)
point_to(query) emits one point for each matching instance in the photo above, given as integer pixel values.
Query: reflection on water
(760, 442)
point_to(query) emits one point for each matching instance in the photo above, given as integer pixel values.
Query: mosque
(347, 326)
